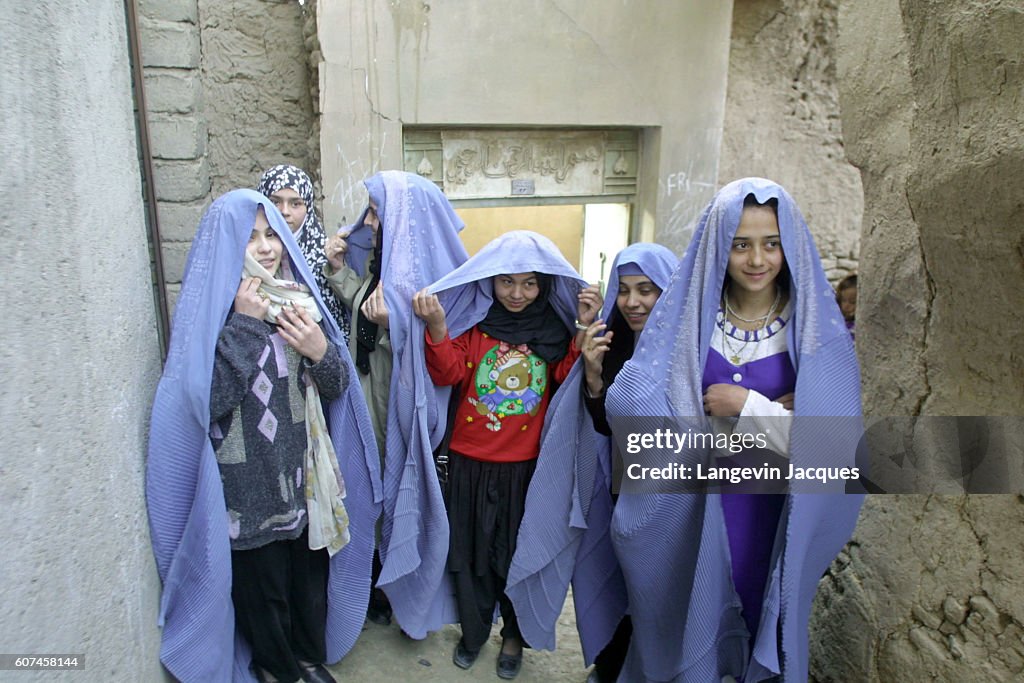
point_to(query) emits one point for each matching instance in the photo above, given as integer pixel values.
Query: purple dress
(751, 520)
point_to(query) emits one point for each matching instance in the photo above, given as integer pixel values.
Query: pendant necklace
(735, 355)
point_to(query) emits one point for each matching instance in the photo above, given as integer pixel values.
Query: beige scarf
(280, 292)
(325, 487)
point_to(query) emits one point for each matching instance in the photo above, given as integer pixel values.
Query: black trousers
(378, 598)
(475, 597)
(280, 595)
(486, 501)
(609, 662)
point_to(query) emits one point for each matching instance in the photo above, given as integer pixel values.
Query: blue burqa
(673, 548)
(414, 575)
(187, 514)
(419, 244)
(564, 534)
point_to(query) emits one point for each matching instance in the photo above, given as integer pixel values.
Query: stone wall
(228, 95)
(782, 118)
(930, 92)
(80, 354)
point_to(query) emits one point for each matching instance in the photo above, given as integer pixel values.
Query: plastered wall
(782, 119)
(931, 586)
(661, 67)
(79, 355)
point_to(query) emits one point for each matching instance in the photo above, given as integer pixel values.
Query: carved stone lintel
(559, 163)
(470, 164)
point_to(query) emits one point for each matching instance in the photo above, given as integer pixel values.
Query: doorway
(588, 235)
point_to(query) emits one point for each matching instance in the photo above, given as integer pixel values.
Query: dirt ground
(382, 654)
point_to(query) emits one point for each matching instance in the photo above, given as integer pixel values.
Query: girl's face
(373, 221)
(848, 302)
(637, 296)
(291, 206)
(756, 257)
(264, 244)
(516, 292)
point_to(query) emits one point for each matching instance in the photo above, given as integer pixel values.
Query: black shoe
(509, 665)
(317, 673)
(463, 657)
(261, 675)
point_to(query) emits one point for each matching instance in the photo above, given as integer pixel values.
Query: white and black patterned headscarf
(310, 235)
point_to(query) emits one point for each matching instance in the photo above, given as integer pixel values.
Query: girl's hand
(786, 400)
(375, 309)
(428, 308)
(589, 304)
(249, 301)
(593, 349)
(301, 333)
(724, 400)
(335, 250)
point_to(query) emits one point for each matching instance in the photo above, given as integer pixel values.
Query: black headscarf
(538, 325)
(366, 329)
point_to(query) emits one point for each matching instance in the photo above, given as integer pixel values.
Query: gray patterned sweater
(257, 415)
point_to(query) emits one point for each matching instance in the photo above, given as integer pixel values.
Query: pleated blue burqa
(419, 243)
(414, 575)
(673, 548)
(187, 514)
(564, 535)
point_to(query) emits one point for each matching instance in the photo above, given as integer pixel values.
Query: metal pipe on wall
(149, 189)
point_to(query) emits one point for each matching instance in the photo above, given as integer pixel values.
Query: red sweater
(504, 392)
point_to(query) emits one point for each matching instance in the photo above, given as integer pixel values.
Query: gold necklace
(734, 355)
(762, 318)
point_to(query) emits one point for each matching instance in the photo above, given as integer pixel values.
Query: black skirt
(486, 501)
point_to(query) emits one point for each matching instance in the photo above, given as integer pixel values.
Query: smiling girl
(249, 512)
(749, 332)
(291, 191)
(505, 368)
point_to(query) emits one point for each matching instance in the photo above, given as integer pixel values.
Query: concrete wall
(930, 92)
(80, 356)
(782, 118)
(228, 95)
(661, 66)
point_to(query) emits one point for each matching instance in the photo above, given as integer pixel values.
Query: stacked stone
(837, 267)
(169, 35)
(227, 96)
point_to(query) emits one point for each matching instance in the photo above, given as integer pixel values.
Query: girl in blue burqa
(720, 584)
(261, 514)
(500, 330)
(406, 238)
(564, 534)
